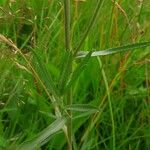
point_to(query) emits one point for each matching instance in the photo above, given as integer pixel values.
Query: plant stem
(68, 50)
(67, 25)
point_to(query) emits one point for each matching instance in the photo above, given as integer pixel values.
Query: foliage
(110, 93)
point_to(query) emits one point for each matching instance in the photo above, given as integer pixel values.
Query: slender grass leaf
(50, 115)
(66, 70)
(83, 108)
(84, 115)
(88, 143)
(44, 136)
(114, 50)
(28, 38)
(91, 24)
(45, 75)
(7, 110)
(78, 70)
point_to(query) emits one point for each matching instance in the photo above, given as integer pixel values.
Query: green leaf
(78, 71)
(44, 75)
(65, 72)
(7, 109)
(114, 50)
(44, 135)
(83, 108)
(84, 115)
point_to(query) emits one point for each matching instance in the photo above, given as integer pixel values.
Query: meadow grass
(74, 75)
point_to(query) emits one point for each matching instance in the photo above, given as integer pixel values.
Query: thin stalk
(109, 102)
(110, 23)
(67, 24)
(68, 50)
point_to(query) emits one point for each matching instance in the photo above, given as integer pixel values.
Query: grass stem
(68, 49)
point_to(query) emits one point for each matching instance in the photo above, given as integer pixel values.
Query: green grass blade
(83, 108)
(66, 65)
(78, 71)
(44, 135)
(109, 102)
(84, 115)
(114, 50)
(92, 22)
(45, 75)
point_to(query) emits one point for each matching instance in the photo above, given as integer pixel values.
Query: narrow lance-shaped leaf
(91, 24)
(84, 115)
(83, 108)
(45, 76)
(65, 72)
(44, 136)
(113, 50)
(78, 71)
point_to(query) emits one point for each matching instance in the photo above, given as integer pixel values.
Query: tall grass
(74, 75)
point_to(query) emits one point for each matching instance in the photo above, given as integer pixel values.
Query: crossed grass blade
(65, 72)
(45, 76)
(75, 75)
(115, 50)
(83, 110)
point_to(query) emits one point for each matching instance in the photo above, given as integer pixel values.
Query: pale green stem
(68, 50)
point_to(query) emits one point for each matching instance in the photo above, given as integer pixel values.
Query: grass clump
(69, 76)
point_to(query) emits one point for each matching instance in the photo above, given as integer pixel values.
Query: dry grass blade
(8, 42)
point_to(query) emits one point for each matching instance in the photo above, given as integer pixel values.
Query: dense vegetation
(54, 95)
